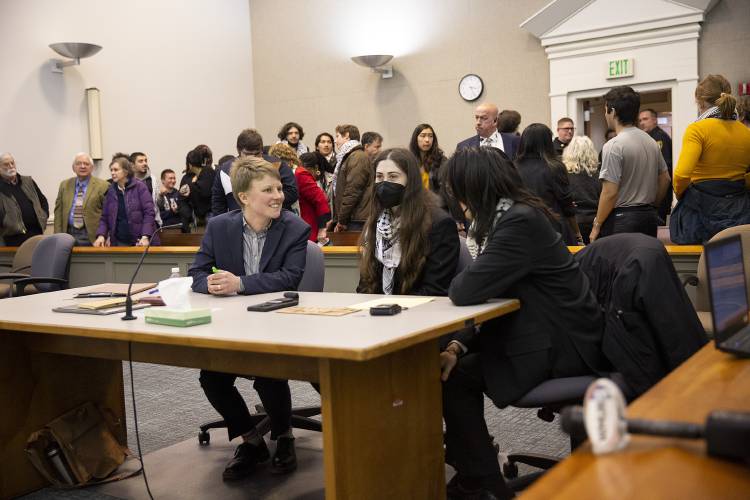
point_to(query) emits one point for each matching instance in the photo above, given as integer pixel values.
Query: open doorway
(595, 125)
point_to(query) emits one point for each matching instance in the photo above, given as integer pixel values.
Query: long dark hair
(415, 221)
(536, 142)
(431, 158)
(478, 178)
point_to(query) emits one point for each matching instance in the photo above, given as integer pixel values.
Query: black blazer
(282, 262)
(510, 144)
(442, 259)
(525, 258)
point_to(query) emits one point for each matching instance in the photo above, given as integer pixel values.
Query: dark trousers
(468, 445)
(639, 219)
(227, 400)
(81, 236)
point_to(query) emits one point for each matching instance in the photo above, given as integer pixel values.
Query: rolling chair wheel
(510, 470)
(204, 437)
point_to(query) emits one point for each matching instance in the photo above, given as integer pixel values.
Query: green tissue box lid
(178, 317)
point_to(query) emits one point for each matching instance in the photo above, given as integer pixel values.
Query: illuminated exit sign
(620, 68)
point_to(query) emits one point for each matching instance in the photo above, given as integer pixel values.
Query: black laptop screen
(727, 284)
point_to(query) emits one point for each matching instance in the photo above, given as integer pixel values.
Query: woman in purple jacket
(128, 212)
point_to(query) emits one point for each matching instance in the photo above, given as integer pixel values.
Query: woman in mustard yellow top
(424, 145)
(709, 180)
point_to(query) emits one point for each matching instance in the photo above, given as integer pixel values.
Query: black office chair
(313, 280)
(621, 269)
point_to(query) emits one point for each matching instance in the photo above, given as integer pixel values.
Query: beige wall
(172, 74)
(302, 71)
(724, 46)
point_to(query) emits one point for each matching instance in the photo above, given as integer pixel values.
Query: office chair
(313, 280)
(21, 265)
(642, 339)
(50, 266)
(702, 304)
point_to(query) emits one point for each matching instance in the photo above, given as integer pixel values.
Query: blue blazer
(510, 144)
(281, 263)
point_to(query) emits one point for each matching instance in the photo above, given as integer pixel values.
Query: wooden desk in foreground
(379, 377)
(664, 468)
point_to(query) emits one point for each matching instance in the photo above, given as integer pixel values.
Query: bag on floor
(77, 449)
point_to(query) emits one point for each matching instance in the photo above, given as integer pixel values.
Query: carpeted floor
(171, 405)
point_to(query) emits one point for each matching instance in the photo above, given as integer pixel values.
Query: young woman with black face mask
(410, 245)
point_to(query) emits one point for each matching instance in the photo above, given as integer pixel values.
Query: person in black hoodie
(196, 183)
(556, 333)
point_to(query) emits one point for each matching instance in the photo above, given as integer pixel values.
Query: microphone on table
(128, 299)
(727, 433)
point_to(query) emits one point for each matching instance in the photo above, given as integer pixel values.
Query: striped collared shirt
(252, 249)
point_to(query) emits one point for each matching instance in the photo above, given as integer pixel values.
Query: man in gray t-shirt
(633, 173)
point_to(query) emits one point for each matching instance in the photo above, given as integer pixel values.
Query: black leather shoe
(246, 457)
(284, 459)
(487, 491)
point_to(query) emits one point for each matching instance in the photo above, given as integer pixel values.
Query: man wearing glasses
(249, 143)
(565, 131)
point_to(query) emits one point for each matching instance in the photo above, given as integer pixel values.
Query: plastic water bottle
(175, 273)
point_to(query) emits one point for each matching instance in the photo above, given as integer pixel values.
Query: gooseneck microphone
(727, 433)
(128, 299)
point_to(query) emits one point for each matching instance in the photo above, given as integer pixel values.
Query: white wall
(172, 74)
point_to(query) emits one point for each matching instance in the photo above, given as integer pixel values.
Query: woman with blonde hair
(582, 164)
(709, 180)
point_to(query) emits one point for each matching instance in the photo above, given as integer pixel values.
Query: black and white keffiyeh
(387, 247)
(474, 248)
(301, 148)
(714, 112)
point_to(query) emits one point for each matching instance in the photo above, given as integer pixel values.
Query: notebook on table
(727, 291)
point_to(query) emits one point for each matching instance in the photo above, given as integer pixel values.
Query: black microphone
(727, 433)
(128, 299)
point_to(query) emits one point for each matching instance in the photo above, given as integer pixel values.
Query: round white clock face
(470, 87)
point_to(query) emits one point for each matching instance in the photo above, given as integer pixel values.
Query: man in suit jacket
(78, 206)
(249, 143)
(485, 123)
(258, 249)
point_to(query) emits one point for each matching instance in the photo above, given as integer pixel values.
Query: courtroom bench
(90, 265)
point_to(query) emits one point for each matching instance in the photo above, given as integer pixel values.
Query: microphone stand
(128, 299)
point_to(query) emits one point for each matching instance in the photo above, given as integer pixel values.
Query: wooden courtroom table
(379, 377)
(116, 264)
(664, 468)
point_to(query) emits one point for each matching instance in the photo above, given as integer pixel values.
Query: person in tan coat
(78, 206)
(351, 180)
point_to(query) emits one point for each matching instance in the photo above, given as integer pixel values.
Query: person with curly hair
(581, 161)
(291, 133)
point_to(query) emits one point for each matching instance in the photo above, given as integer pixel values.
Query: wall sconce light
(377, 63)
(72, 50)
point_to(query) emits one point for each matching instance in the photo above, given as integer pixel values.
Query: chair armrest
(20, 284)
(13, 276)
(691, 280)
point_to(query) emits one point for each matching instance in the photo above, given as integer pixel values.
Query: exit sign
(620, 68)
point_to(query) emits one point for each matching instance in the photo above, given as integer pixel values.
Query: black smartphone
(274, 304)
(385, 310)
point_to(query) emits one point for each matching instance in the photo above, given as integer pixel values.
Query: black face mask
(389, 194)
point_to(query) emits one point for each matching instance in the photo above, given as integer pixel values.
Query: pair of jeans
(637, 219)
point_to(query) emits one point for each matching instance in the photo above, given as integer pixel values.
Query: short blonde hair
(284, 152)
(246, 170)
(580, 156)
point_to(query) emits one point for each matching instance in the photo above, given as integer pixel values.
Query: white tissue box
(177, 317)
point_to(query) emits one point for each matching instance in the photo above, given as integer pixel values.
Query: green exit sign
(620, 68)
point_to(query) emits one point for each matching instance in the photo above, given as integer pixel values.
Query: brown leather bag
(81, 442)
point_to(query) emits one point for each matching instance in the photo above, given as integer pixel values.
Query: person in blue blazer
(258, 249)
(485, 123)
